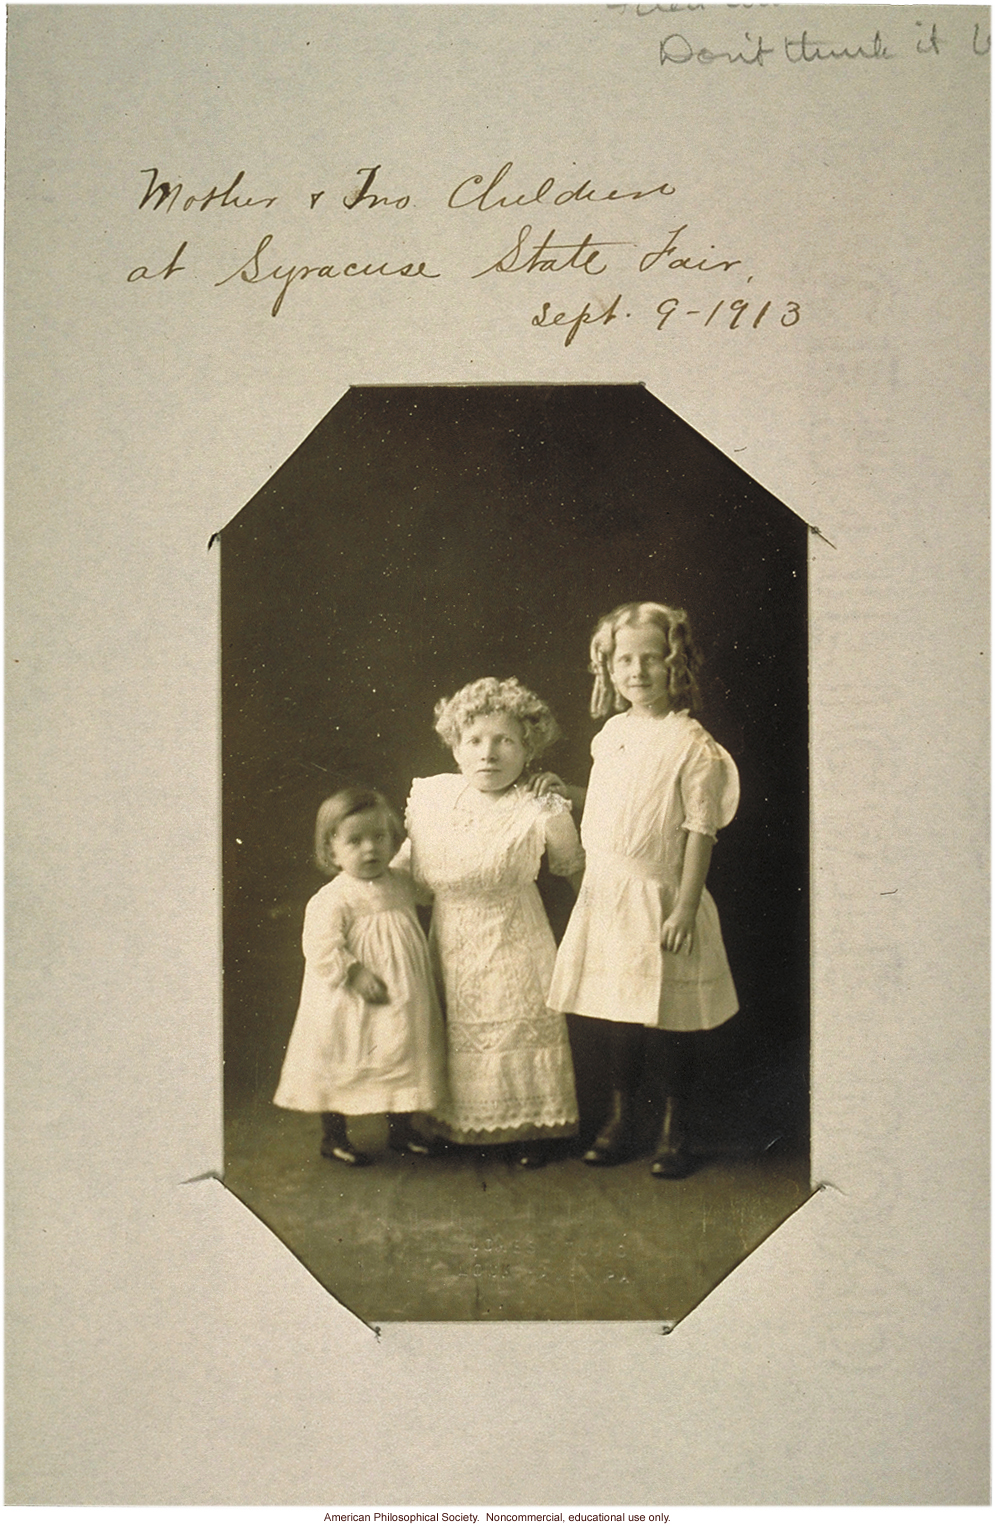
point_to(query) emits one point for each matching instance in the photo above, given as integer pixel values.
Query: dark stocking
(670, 1061)
(616, 1141)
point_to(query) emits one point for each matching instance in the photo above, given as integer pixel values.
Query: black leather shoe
(672, 1159)
(345, 1153)
(615, 1143)
(529, 1157)
(415, 1144)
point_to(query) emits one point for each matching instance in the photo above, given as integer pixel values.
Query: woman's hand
(367, 985)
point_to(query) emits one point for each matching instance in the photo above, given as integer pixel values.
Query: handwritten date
(737, 314)
(738, 308)
(546, 319)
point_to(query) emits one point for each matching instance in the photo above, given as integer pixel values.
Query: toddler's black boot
(335, 1143)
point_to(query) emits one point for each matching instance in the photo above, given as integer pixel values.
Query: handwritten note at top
(573, 252)
(833, 41)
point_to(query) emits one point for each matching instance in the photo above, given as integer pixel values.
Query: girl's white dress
(350, 1056)
(510, 1068)
(654, 779)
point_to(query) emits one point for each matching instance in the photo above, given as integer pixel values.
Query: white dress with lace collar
(510, 1068)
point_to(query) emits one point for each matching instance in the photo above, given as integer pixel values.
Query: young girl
(475, 840)
(368, 1033)
(643, 949)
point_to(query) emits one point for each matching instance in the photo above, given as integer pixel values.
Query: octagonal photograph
(515, 853)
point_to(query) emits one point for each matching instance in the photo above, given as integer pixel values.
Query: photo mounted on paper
(515, 921)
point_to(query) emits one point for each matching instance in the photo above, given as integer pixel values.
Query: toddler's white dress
(510, 1069)
(347, 1055)
(654, 779)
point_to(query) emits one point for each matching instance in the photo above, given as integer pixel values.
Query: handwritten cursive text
(676, 49)
(164, 192)
(579, 254)
(545, 194)
(252, 272)
(546, 320)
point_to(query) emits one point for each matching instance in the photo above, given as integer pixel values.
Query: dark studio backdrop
(422, 537)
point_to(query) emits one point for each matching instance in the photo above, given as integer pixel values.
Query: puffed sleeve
(403, 864)
(404, 860)
(709, 783)
(566, 856)
(326, 937)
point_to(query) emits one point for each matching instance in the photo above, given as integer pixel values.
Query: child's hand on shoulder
(545, 784)
(367, 985)
(548, 783)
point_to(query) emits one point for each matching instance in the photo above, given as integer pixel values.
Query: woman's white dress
(347, 1055)
(510, 1068)
(654, 779)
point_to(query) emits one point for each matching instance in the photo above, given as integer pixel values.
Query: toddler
(368, 1034)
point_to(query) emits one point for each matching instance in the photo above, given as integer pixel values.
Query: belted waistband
(645, 868)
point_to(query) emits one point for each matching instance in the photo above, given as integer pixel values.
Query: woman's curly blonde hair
(498, 696)
(680, 653)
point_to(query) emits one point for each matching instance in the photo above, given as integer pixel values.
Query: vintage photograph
(498, 736)
(515, 817)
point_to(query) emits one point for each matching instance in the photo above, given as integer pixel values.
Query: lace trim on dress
(496, 1037)
(553, 804)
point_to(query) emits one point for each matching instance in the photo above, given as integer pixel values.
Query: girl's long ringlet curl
(682, 656)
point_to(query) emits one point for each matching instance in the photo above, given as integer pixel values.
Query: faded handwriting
(930, 42)
(251, 271)
(166, 193)
(668, 10)
(575, 254)
(802, 50)
(676, 49)
(808, 49)
(545, 193)
(900, 38)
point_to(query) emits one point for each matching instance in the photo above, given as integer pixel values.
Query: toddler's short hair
(682, 656)
(494, 696)
(333, 812)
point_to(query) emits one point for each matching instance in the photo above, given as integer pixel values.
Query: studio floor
(468, 1236)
